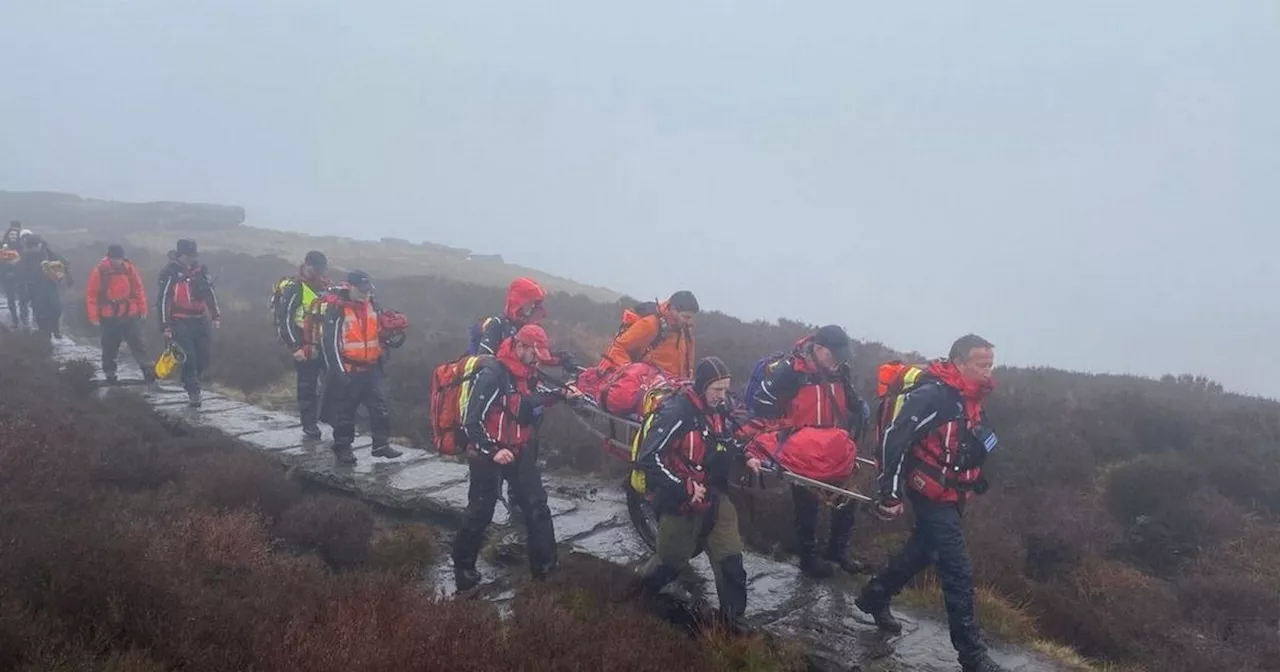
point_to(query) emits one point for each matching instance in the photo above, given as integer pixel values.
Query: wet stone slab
(248, 420)
(428, 476)
(279, 439)
(618, 545)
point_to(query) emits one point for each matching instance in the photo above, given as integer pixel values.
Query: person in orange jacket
(663, 339)
(115, 300)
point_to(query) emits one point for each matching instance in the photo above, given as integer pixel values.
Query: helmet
(392, 325)
(170, 361)
(392, 321)
(24, 233)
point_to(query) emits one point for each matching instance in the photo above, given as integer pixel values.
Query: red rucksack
(826, 454)
(624, 391)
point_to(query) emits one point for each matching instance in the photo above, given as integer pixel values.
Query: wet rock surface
(590, 517)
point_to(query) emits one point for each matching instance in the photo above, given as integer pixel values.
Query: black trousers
(486, 484)
(344, 393)
(309, 390)
(15, 296)
(807, 507)
(937, 540)
(46, 307)
(192, 335)
(117, 330)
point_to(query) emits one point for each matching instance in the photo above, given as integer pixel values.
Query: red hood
(524, 291)
(972, 393)
(507, 355)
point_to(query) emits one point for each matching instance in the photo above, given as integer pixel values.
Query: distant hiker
(24, 296)
(658, 333)
(684, 456)
(355, 347)
(500, 419)
(292, 298)
(115, 300)
(42, 275)
(934, 443)
(185, 302)
(10, 275)
(811, 387)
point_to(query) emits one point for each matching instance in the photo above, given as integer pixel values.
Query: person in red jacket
(932, 454)
(187, 305)
(811, 387)
(117, 302)
(525, 299)
(501, 414)
(686, 451)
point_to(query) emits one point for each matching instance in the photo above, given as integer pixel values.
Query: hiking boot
(386, 451)
(312, 432)
(194, 398)
(342, 454)
(465, 579)
(844, 560)
(983, 664)
(814, 567)
(883, 617)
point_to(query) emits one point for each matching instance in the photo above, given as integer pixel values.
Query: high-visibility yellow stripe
(908, 379)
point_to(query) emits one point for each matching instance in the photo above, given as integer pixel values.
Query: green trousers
(678, 538)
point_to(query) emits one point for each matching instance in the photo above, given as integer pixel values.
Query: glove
(888, 509)
(981, 486)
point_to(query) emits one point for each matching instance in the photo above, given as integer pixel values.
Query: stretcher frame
(617, 439)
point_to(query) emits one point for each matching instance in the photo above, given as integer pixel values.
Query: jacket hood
(972, 393)
(522, 293)
(507, 355)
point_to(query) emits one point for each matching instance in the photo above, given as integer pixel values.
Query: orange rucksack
(451, 384)
(894, 379)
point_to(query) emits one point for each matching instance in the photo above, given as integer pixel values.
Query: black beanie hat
(709, 370)
(186, 246)
(683, 301)
(115, 251)
(836, 340)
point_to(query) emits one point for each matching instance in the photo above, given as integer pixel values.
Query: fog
(1090, 185)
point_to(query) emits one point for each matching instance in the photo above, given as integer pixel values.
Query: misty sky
(1092, 185)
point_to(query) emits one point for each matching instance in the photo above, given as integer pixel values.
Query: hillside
(1134, 519)
(155, 226)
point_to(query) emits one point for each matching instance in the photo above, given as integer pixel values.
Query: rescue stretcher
(617, 433)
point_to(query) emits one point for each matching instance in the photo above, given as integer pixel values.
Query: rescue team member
(10, 256)
(296, 297)
(525, 299)
(42, 282)
(186, 301)
(116, 301)
(686, 455)
(933, 454)
(664, 339)
(811, 387)
(501, 414)
(354, 352)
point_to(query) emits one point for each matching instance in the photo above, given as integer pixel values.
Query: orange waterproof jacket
(656, 340)
(114, 293)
